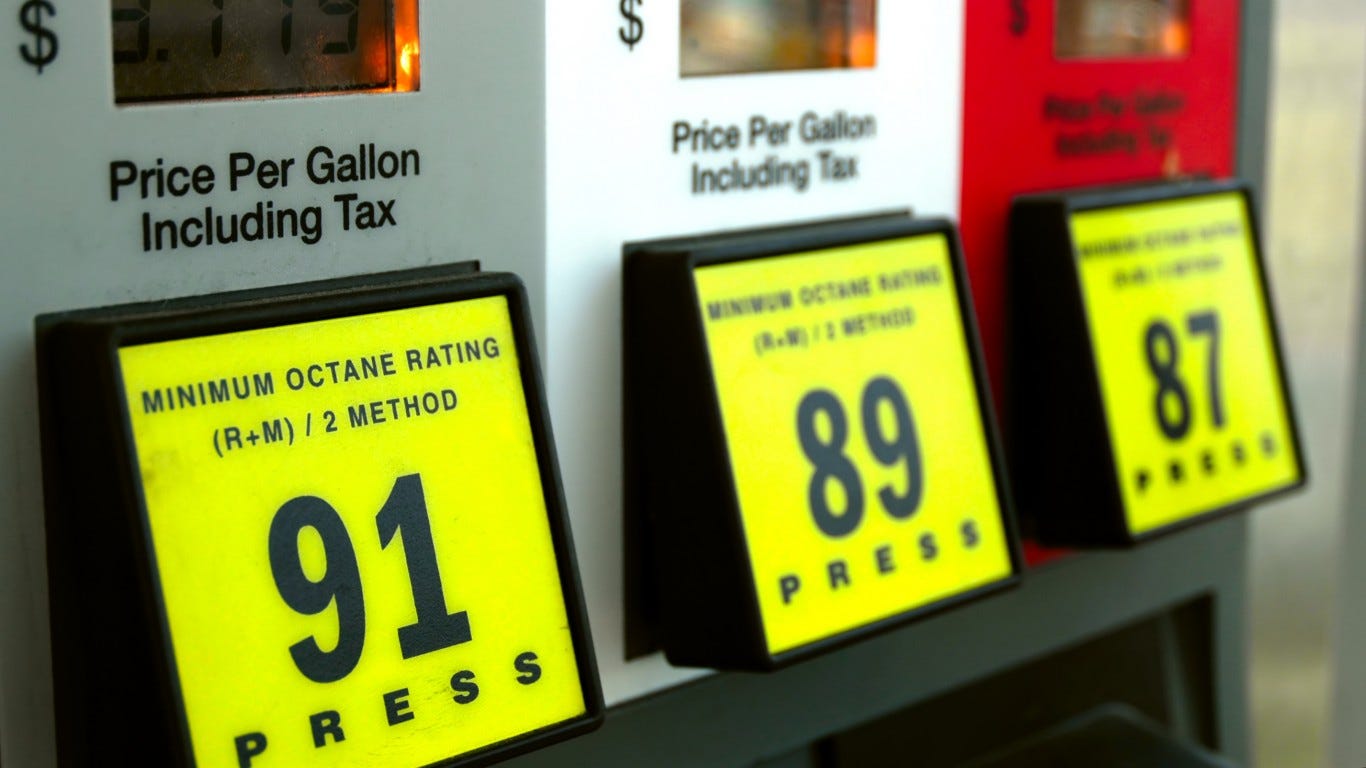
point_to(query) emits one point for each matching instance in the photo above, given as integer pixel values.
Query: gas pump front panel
(172, 149)
(1064, 94)
(154, 160)
(186, 52)
(693, 116)
(155, 150)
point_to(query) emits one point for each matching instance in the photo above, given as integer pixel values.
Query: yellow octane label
(1183, 342)
(855, 434)
(351, 539)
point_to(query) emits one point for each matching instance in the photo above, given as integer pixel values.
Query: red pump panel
(1034, 121)
(1068, 93)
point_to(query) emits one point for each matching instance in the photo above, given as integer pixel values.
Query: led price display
(166, 50)
(721, 37)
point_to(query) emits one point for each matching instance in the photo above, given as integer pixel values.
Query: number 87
(1163, 354)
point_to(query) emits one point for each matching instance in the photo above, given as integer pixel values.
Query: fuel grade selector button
(311, 526)
(809, 443)
(1148, 386)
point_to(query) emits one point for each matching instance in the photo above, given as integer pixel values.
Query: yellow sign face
(855, 434)
(351, 539)
(1187, 364)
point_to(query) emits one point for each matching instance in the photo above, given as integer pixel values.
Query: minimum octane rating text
(319, 374)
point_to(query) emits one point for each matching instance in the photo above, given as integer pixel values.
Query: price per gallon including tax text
(354, 544)
(1183, 364)
(859, 447)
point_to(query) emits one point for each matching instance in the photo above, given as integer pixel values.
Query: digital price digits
(141, 17)
(220, 48)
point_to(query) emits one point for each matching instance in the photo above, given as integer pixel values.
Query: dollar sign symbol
(1019, 17)
(44, 50)
(635, 26)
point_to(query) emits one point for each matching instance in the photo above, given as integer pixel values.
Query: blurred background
(1302, 582)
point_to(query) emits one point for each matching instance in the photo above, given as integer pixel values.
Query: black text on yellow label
(1186, 357)
(855, 435)
(351, 538)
